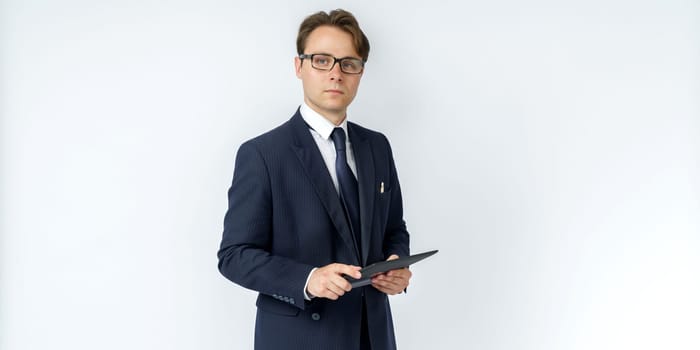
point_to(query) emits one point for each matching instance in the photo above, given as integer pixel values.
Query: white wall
(549, 149)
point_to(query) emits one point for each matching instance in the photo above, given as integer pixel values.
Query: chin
(336, 106)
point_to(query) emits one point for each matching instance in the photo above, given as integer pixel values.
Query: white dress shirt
(321, 129)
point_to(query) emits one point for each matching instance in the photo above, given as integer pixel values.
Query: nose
(335, 72)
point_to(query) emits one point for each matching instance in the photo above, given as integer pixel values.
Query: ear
(297, 66)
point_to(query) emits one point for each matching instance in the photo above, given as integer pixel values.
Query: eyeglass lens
(326, 62)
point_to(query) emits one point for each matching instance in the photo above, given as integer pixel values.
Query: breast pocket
(383, 205)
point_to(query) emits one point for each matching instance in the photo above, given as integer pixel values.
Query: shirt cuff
(307, 295)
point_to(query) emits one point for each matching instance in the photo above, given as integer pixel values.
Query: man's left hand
(394, 281)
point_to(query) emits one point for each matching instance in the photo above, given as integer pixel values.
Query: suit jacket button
(315, 316)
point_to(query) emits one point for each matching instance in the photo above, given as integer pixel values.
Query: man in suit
(312, 201)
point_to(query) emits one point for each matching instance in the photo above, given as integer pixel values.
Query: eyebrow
(340, 58)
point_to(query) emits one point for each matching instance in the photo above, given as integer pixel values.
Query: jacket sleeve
(245, 253)
(396, 237)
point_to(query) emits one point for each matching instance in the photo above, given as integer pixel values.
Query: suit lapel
(365, 178)
(311, 160)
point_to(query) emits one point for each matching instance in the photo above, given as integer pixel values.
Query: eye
(350, 65)
(322, 61)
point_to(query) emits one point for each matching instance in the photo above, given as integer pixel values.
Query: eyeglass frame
(304, 56)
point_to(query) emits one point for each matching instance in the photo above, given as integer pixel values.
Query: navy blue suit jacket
(285, 218)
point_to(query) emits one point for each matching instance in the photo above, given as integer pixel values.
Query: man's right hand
(329, 282)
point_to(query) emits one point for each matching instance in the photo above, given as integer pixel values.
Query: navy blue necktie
(349, 195)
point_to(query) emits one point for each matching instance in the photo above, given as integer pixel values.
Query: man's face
(328, 92)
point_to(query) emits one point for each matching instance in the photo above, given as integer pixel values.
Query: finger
(380, 286)
(397, 278)
(322, 284)
(350, 270)
(329, 295)
(392, 257)
(323, 292)
(394, 283)
(385, 281)
(336, 290)
(341, 283)
(391, 284)
(385, 290)
(403, 273)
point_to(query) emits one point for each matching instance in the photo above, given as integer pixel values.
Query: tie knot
(338, 136)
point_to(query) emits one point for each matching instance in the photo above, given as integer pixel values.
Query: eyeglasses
(348, 65)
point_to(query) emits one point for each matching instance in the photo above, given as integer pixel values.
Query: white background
(549, 149)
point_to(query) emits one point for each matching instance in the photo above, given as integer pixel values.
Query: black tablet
(384, 266)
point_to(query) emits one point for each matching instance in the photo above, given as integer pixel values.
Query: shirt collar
(320, 124)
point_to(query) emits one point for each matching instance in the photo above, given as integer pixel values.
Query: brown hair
(341, 19)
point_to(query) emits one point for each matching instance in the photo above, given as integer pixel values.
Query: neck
(337, 120)
(334, 117)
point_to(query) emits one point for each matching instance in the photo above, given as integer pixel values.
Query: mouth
(334, 91)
